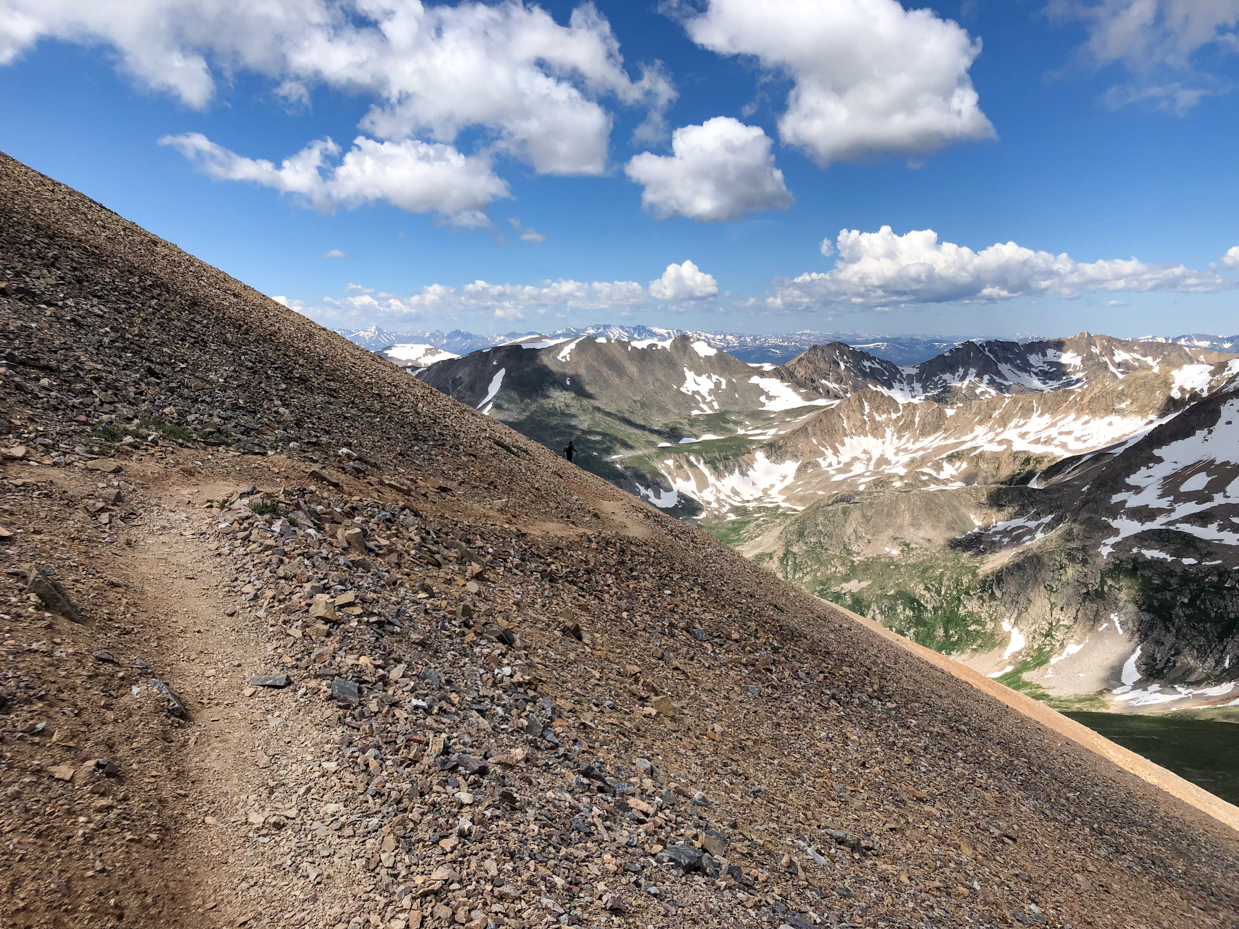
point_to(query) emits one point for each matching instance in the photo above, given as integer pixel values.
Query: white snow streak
(495, 383)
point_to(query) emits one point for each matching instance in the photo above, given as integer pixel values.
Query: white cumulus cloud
(504, 73)
(882, 270)
(1231, 258)
(333, 253)
(1159, 43)
(717, 171)
(500, 301)
(869, 77)
(684, 282)
(531, 83)
(527, 234)
(417, 176)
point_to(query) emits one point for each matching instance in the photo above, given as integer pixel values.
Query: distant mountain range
(457, 341)
(1064, 513)
(769, 349)
(1217, 343)
(777, 348)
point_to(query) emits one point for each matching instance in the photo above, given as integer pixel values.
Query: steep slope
(1143, 535)
(442, 678)
(618, 401)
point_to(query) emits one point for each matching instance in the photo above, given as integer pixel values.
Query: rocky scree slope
(444, 679)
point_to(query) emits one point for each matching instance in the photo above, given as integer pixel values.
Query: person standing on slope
(569, 452)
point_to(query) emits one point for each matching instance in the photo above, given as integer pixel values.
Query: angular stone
(662, 704)
(354, 540)
(50, 593)
(62, 772)
(346, 692)
(324, 610)
(681, 857)
(716, 843)
(270, 680)
(471, 765)
(319, 474)
(106, 465)
(175, 706)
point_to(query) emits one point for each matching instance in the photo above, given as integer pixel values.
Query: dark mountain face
(1147, 531)
(837, 370)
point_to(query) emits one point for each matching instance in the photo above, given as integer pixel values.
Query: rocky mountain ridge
(774, 348)
(858, 434)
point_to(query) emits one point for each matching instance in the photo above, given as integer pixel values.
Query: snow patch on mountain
(702, 386)
(780, 396)
(495, 383)
(663, 499)
(761, 484)
(566, 354)
(1172, 484)
(1191, 379)
(416, 354)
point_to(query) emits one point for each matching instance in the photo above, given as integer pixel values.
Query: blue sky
(1085, 133)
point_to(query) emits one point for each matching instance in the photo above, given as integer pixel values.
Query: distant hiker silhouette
(569, 452)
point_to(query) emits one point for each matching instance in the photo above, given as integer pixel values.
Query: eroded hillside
(428, 675)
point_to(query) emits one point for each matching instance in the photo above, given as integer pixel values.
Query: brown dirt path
(182, 590)
(154, 842)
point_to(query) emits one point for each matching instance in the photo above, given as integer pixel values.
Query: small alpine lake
(1199, 748)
